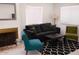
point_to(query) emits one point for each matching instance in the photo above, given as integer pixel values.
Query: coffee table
(54, 36)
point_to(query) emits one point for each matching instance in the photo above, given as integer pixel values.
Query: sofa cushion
(37, 28)
(31, 28)
(46, 27)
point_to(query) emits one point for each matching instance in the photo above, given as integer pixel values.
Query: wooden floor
(19, 50)
(16, 50)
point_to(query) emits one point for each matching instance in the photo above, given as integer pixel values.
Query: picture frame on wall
(7, 11)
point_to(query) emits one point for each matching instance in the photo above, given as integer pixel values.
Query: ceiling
(65, 4)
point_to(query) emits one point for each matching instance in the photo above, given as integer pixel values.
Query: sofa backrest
(46, 27)
(35, 28)
(40, 27)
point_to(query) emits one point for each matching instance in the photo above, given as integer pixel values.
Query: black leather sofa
(40, 30)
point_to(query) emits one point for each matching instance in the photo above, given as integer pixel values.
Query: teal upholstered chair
(71, 33)
(31, 44)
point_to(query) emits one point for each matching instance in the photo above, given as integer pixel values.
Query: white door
(34, 15)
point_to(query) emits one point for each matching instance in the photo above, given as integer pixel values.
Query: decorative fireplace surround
(8, 36)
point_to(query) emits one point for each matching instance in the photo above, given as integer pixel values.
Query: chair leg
(26, 52)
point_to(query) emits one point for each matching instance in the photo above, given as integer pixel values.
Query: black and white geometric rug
(63, 47)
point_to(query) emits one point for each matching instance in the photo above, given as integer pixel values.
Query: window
(70, 15)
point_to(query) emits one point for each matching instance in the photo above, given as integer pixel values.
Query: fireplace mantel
(8, 36)
(8, 30)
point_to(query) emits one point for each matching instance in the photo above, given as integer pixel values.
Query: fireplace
(8, 36)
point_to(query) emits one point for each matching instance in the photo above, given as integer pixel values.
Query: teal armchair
(31, 44)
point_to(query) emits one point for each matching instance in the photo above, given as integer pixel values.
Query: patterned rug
(63, 47)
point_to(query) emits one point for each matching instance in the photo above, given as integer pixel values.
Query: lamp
(55, 18)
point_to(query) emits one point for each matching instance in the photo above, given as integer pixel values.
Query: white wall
(8, 24)
(47, 9)
(20, 12)
(61, 25)
(48, 13)
(56, 13)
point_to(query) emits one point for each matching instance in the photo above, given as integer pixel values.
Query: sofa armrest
(57, 30)
(29, 33)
